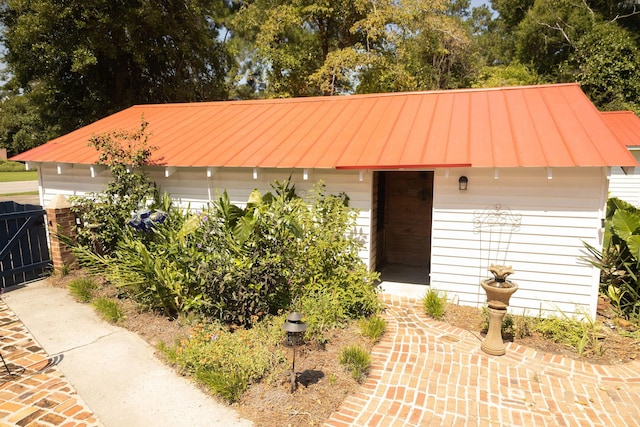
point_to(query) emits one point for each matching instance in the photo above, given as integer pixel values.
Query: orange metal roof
(534, 126)
(625, 125)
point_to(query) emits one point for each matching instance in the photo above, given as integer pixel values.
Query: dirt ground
(323, 383)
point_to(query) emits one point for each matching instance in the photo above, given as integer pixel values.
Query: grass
(373, 327)
(435, 304)
(82, 289)
(356, 359)
(18, 176)
(108, 309)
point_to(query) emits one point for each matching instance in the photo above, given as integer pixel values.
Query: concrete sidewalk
(112, 369)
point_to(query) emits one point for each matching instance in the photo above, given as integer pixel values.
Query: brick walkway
(38, 394)
(428, 373)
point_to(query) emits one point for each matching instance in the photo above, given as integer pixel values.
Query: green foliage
(82, 289)
(9, 166)
(236, 265)
(514, 74)
(229, 385)
(104, 215)
(249, 255)
(79, 61)
(228, 361)
(307, 48)
(373, 327)
(607, 60)
(157, 269)
(619, 260)
(435, 304)
(357, 360)
(581, 335)
(281, 250)
(109, 309)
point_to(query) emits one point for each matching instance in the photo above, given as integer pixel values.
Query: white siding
(190, 187)
(557, 216)
(626, 186)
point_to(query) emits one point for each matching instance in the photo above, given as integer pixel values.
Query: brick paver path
(38, 395)
(429, 373)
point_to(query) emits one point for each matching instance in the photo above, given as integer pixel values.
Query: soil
(324, 383)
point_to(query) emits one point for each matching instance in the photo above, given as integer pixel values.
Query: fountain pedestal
(499, 291)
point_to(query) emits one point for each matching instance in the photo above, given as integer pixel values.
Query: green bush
(435, 304)
(10, 166)
(281, 251)
(104, 215)
(228, 361)
(230, 264)
(109, 309)
(82, 289)
(373, 327)
(357, 360)
(619, 260)
(157, 268)
(581, 335)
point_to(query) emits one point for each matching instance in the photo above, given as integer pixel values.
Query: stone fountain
(498, 290)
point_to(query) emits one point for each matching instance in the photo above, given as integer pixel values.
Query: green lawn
(18, 176)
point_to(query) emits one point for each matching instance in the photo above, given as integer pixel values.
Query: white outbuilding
(446, 182)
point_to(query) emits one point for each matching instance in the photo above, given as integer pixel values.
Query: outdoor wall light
(462, 183)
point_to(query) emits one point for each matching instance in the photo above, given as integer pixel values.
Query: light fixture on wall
(462, 183)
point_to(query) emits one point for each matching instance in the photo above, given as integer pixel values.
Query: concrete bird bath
(498, 290)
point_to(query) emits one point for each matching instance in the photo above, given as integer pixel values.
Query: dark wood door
(407, 218)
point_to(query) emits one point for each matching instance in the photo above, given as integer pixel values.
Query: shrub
(373, 327)
(619, 260)
(581, 335)
(281, 250)
(157, 268)
(435, 304)
(104, 215)
(357, 360)
(228, 361)
(82, 289)
(108, 309)
(11, 166)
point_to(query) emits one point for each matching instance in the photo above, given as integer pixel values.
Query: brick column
(61, 220)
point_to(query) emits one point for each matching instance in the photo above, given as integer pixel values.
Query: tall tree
(93, 57)
(594, 42)
(313, 47)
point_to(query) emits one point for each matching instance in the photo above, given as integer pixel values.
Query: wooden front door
(408, 203)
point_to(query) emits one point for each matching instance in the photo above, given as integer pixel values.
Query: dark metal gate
(24, 250)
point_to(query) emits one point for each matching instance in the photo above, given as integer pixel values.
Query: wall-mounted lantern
(295, 328)
(462, 183)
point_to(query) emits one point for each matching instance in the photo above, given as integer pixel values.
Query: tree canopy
(69, 63)
(77, 61)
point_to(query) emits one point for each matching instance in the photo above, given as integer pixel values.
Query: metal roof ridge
(339, 98)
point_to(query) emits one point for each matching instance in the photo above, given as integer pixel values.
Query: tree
(321, 47)
(20, 125)
(607, 64)
(591, 42)
(93, 57)
(294, 38)
(514, 74)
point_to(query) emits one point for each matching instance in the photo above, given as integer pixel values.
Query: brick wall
(61, 220)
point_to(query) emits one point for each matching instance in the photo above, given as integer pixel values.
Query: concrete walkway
(113, 370)
(429, 373)
(425, 373)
